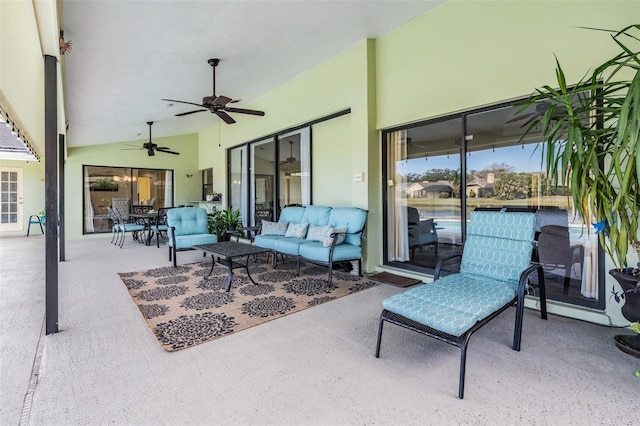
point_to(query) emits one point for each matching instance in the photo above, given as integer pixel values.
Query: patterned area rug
(183, 310)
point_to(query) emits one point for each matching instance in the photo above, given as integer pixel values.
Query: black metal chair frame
(463, 340)
(161, 219)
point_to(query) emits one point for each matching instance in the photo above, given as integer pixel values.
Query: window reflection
(263, 180)
(294, 169)
(504, 172)
(128, 189)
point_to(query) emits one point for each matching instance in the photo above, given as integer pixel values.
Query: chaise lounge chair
(493, 276)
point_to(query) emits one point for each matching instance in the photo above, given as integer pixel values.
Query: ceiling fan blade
(225, 117)
(521, 117)
(221, 100)
(245, 111)
(191, 112)
(167, 151)
(185, 102)
(531, 119)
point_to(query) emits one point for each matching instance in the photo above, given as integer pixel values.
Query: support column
(51, 192)
(61, 150)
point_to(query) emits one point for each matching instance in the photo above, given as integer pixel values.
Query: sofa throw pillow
(318, 233)
(297, 230)
(274, 228)
(340, 237)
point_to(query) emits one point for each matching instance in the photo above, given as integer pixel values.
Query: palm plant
(592, 142)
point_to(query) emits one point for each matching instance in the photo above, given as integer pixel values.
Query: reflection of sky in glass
(522, 160)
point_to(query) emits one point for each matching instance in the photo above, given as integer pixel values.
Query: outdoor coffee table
(225, 252)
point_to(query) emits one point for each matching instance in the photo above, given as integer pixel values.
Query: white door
(11, 199)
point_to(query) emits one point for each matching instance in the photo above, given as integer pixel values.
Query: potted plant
(592, 141)
(231, 218)
(221, 221)
(213, 221)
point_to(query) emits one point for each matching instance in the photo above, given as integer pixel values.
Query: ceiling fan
(538, 114)
(151, 147)
(291, 164)
(217, 104)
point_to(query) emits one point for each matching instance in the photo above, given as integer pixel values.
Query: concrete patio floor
(313, 367)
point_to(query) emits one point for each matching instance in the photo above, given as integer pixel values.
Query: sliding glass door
(238, 181)
(423, 193)
(437, 172)
(263, 176)
(276, 174)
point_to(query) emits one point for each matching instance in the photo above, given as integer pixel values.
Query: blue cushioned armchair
(187, 228)
(494, 271)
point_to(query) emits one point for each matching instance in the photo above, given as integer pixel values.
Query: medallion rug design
(183, 309)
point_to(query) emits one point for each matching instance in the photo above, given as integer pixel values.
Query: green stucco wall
(466, 54)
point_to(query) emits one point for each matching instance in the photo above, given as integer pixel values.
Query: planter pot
(628, 282)
(631, 310)
(209, 198)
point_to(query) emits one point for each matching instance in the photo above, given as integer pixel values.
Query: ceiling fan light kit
(216, 104)
(291, 164)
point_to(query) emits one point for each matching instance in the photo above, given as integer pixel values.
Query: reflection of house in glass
(430, 190)
(480, 187)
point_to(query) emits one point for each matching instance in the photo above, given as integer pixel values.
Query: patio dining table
(147, 219)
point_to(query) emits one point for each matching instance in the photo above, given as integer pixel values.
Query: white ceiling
(129, 54)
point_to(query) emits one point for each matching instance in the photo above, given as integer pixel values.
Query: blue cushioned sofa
(331, 235)
(187, 228)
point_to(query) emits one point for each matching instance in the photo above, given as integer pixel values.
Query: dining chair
(159, 226)
(122, 206)
(123, 227)
(115, 229)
